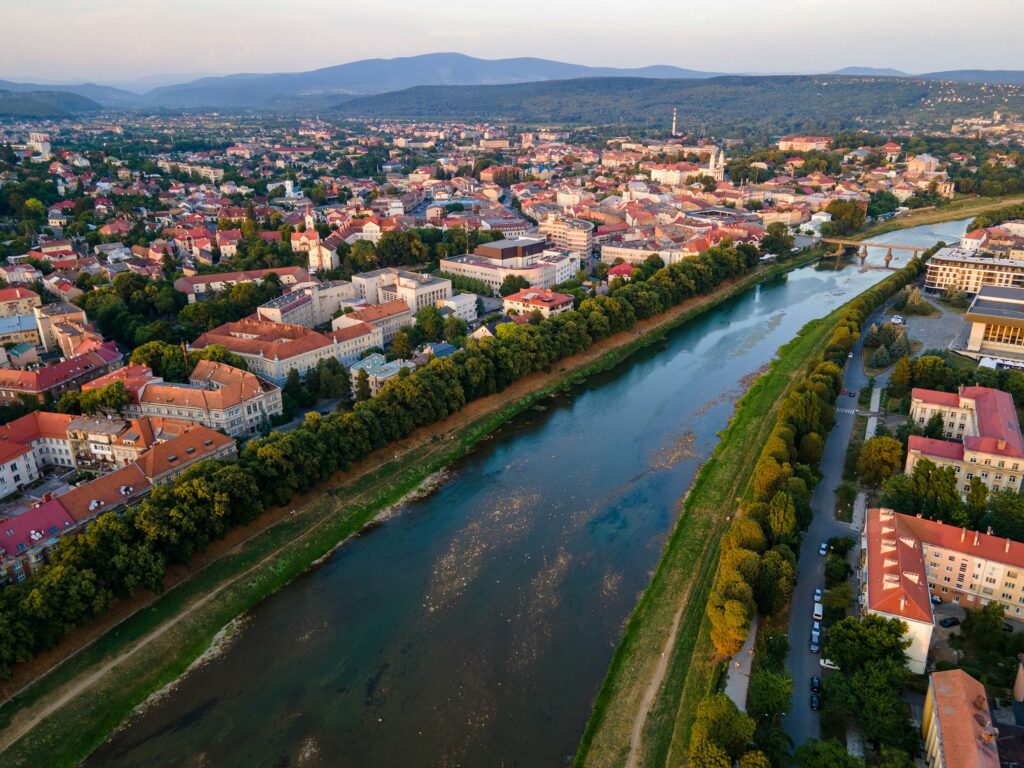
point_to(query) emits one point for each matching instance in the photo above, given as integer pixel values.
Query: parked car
(1007, 627)
(815, 702)
(949, 621)
(815, 648)
(828, 664)
(897, 320)
(816, 626)
(936, 600)
(850, 355)
(823, 549)
(851, 393)
(817, 595)
(815, 641)
(819, 611)
(815, 684)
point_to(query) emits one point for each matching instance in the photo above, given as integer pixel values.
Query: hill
(43, 104)
(870, 72)
(769, 104)
(1003, 76)
(104, 95)
(381, 75)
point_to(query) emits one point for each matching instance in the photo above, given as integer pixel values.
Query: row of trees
(757, 569)
(119, 554)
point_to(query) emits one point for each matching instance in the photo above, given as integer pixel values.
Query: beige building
(996, 317)
(957, 725)
(569, 234)
(50, 317)
(961, 270)
(526, 257)
(389, 318)
(308, 305)
(389, 284)
(530, 300)
(983, 437)
(18, 301)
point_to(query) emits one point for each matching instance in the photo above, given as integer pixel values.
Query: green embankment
(685, 573)
(264, 564)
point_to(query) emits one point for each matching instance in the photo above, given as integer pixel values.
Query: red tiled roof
(32, 527)
(958, 702)
(897, 580)
(16, 293)
(946, 449)
(105, 493)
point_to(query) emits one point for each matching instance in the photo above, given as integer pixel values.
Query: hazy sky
(120, 40)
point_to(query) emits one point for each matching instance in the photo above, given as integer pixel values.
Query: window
(984, 475)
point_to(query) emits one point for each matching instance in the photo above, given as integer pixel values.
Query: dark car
(815, 702)
(815, 684)
(1007, 627)
(949, 621)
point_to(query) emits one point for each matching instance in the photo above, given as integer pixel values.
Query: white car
(817, 595)
(816, 627)
(819, 611)
(823, 549)
(828, 664)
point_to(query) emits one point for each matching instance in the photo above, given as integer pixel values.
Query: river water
(474, 628)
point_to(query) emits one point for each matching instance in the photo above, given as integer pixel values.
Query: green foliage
(853, 643)
(769, 694)
(880, 458)
(721, 724)
(777, 240)
(513, 284)
(825, 754)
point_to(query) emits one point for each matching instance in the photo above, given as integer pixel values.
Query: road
(802, 723)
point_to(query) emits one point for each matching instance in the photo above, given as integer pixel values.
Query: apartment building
(389, 284)
(390, 317)
(530, 300)
(996, 317)
(963, 270)
(54, 380)
(49, 319)
(569, 234)
(308, 305)
(526, 257)
(983, 437)
(462, 305)
(217, 396)
(18, 301)
(197, 287)
(957, 724)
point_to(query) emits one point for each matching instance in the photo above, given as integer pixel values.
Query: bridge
(863, 246)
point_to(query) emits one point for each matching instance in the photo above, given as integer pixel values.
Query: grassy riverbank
(72, 709)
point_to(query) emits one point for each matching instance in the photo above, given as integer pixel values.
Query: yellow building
(957, 725)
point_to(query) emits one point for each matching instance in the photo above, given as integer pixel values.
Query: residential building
(19, 329)
(983, 438)
(18, 301)
(389, 284)
(26, 539)
(956, 724)
(46, 435)
(52, 381)
(92, 441)
(894, 584)
(462, 305)
(49, 316)
(805, 143)
(200, 286)
(530, 300)
(378, 370)
(352, 340)
(526, 257)
(959, 270)
(390, 317)
(166, 461)
(308, 305)
(569, 234)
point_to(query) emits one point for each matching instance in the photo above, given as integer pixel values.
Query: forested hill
(774, 104)
(43, 104)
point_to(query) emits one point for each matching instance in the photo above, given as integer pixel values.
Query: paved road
(802, 723)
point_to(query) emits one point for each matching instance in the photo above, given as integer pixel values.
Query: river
(474, 627)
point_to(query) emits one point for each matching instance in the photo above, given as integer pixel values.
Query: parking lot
(935, 332)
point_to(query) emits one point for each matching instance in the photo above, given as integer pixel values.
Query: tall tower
(674, 122)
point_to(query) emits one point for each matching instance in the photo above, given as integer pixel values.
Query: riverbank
(152, 647)
(957, 209)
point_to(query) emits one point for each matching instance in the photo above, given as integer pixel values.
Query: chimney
(1007, 547)
(963, 532)
(988, 532)
(903, 603)
(976, 538)
(1002, 445)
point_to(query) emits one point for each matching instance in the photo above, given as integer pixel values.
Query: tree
(362, 386)
(871, 696)
(455, 330)
(769, 693)
(852, 643)
(880, 358)
(825, 754)
(900, 379)
(839, 598)
(512, 284)
(755, 759)
(936, 427)
(777, 239)
(977, 502)
(880, 458)
(430, 323)
(401, 345)
(1006, 515)
(982, 627)
(719, 722)
(812, 448)
(847, 217)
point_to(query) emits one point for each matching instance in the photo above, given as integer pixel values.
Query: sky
(72, 41)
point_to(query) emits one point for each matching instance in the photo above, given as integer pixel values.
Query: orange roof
(897, 579)
(998, 427)
(961, 540)
(929, 446)
(353, 331)
(121, 487)
(968, 739)
(195, 443)
(381, 311)
(14, 294)
(135, 376)
(36, 425)
(261, 337)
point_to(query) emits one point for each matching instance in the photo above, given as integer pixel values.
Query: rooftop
(897, 582)
(965, 723)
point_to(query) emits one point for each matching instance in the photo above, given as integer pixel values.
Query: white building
(462, 305)
(526, 257)
(389, 284)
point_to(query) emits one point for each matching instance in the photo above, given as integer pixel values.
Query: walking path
(739, 669)
(876, 402)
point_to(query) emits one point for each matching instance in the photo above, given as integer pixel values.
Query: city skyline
(189, 39)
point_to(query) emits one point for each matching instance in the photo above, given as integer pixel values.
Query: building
(805, 143)
(26, 539)
(957, 725)
(996, 317)
(957, 269)
(894, 584)
(569, 234)
(46, 434)
(983, 437)
(526, 257)
(530, 300)
(19, 329)
(389, 284)
(166, 461)
(378, 370)
(462, 305)
(52, 381)
(49, 317)
(308, 305)
(389, 317)
(217, 396)
(18, 301)
(199, 286)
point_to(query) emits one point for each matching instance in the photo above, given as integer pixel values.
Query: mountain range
(329, 86)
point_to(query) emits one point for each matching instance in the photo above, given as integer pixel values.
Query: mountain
(999, 76)
(43, 104)
(870, 71)
(381, 75)
(104, 95)
(731, 104)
